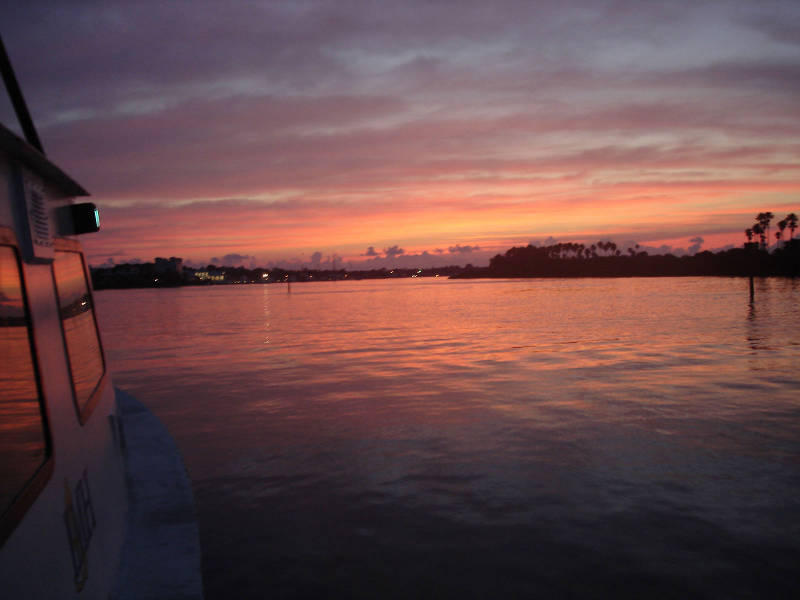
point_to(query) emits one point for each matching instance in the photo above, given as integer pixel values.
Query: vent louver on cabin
(33, 216)
(37, 215)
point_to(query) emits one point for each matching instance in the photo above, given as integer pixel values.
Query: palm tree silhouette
(763, 219)
(749, 233)
(759, 231)
(781, 227)
(791, 221)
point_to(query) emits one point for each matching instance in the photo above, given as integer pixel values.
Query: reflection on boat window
(80, 330)
(23, 445)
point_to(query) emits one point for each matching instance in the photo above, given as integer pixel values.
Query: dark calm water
(480, 439)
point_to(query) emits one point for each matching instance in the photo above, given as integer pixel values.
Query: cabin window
(80, 330)
(23, 435)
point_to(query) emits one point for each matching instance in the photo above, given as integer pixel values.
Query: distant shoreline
(561, 260)
(612, 276)
(526, 262)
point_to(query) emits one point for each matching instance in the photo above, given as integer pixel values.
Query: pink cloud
(415, 125)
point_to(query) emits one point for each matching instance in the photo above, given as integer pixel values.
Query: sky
(414, 133)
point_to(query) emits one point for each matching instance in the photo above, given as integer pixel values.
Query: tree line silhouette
(606, 259)
(761, 228)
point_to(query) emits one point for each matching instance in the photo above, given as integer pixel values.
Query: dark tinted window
(23, 445)
(80, 331)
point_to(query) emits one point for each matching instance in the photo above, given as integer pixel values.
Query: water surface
(452, 439)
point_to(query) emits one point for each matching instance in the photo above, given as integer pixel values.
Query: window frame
(34, 486)
(83, 412)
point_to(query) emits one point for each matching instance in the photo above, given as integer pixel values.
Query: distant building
(169, 265)
(210, 275)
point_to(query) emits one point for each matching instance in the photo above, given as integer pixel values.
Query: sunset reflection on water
(407, 437)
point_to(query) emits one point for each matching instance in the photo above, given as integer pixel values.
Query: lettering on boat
(80, 523)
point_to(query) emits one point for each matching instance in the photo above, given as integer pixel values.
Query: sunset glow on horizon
(431, 133)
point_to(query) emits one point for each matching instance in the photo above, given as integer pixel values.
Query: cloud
(419, 260)
(106, 264)
(459, 249)
(393, 251)
(342, 125)
(776, 26)
(231, 260)
(548, 241)
(242, 109)
(775, 75)
(696, 244)
(370, 251)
